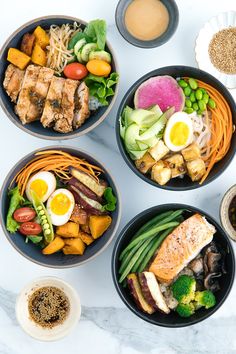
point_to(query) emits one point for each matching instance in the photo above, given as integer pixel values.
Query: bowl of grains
(216, 48)
(48, 308)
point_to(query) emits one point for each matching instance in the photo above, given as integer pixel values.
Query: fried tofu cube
(161, 173)
(192, 152)
(56, 245)
(145, 163)
(74, 246)
(70, 229)
(176, 164)
(196, 169)
(86, 238)
(159, 150)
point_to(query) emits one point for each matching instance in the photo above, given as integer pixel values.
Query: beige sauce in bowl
(146, 19)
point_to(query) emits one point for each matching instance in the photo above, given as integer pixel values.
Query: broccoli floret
(184, 289)
(185, 310)
(205, 299)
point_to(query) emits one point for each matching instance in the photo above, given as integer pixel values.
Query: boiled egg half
(60, 206)
(178, 132)
(43, 184)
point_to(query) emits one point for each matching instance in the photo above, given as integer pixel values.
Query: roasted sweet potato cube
(18, 58)
(42, 39)
(39, 56)
(70, 229)
(161, 173)
(196, 169)
(56, 245)
(159, 150)
(98, 224)
(145, 163)
(86, 238)
(74, 246)
(176, 164)
(192, 152)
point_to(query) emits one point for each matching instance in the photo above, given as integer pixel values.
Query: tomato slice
(24, 214)
(75, 71)
(30, 228)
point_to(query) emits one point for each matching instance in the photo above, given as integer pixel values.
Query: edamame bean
(189, 110)
(182, 83)
(205, 98)
(187, 91)
(199, 112)
(192, 97)
(193, 84)
(202, 105)
(198, 94)
(188, 103)
(195, 106)
(211, 103)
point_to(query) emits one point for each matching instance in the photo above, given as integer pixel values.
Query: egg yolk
(179, 134)
(40, 187)
(60, 204)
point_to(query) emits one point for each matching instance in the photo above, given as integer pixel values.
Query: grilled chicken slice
(27, 89)
(39, 93)
(13, 81)
(64, 120)
(181, 247)
(81, 105)
(53, 102)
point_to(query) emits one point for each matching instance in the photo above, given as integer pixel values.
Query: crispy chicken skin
(81, 105)
(24, 99)
(13, 81)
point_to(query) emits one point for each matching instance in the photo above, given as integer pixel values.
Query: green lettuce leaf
(110, 200)
(15, 202)
(96, 30)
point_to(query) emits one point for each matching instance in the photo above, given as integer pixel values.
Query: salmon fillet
(64, 120)
(180, 247)
(13, 81)
(38, 94)
(53, 102)
(24, 99)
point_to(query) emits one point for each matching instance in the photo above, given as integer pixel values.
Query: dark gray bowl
(179, 184)
(58, 260)
(173, 320)
(173, 24)
(36, 128)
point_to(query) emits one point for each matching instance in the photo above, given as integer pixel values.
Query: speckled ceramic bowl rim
(224, 218)
(5, 185)
(76, 133)
(120, 237)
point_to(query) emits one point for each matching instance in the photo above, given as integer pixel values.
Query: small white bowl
(217, 23)
(224, 212)
(33, 329)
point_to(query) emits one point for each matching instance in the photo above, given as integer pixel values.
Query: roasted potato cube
(86, 238)
(74, 246)
(18, 58)
(70, 229)
(161, 173)
(56, 245)
(42, 39)
(159, 150)
(192, 152)
(145, 163)
(176, 164)
(27, 43)
(98, 224)
(196, 169)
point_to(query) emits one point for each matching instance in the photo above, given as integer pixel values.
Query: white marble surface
(107, 327)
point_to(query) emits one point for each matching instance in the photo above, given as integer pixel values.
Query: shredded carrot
(55, 161)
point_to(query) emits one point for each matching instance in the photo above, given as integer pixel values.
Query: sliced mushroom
(211, 282)
(196, 266)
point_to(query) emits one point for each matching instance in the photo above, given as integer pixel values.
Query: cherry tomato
(75, 71)
(24, 214)
(98, 67)
(30, 228)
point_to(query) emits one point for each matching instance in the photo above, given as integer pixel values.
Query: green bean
(157, 242)
(195, 106)
(128, 257)
(135, 259)
(188, 103)
(192, 97)
(193, 84)
(182, 83)
(205, 98)
(189, 110)
(199, 94)
(143, 255)
(211, 103)
(202, 105)
(187, 91)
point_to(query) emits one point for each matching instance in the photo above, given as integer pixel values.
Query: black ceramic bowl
(179, 184)
(58, 260)
(36, 128)
(172, 320)
(173, 23)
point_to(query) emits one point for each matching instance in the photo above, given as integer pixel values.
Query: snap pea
(192, 97)
(182, 83)
(205, 98)
(211, 103)
(195, 106)
(187, 91)
(202, 105)
(193, 84)
(198, 94)
(188, 103)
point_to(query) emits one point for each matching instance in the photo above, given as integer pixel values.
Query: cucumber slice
(144, 118)
(86, 51)
(131, 135)
(142, 146)
(101, 55)
(79, 58)
(156, 109)
(79, 45)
